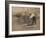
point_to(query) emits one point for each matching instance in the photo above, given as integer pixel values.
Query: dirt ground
(18, 25)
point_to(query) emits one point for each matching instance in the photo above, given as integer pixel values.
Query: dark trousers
(34, 20)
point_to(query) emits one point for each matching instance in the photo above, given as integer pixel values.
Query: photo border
(30, 31)
(7, 18)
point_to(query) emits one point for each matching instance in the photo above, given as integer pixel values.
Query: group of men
(30, 19)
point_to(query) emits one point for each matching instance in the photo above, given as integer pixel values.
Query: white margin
(25, 32)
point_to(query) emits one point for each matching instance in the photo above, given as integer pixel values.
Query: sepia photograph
(25, 18)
